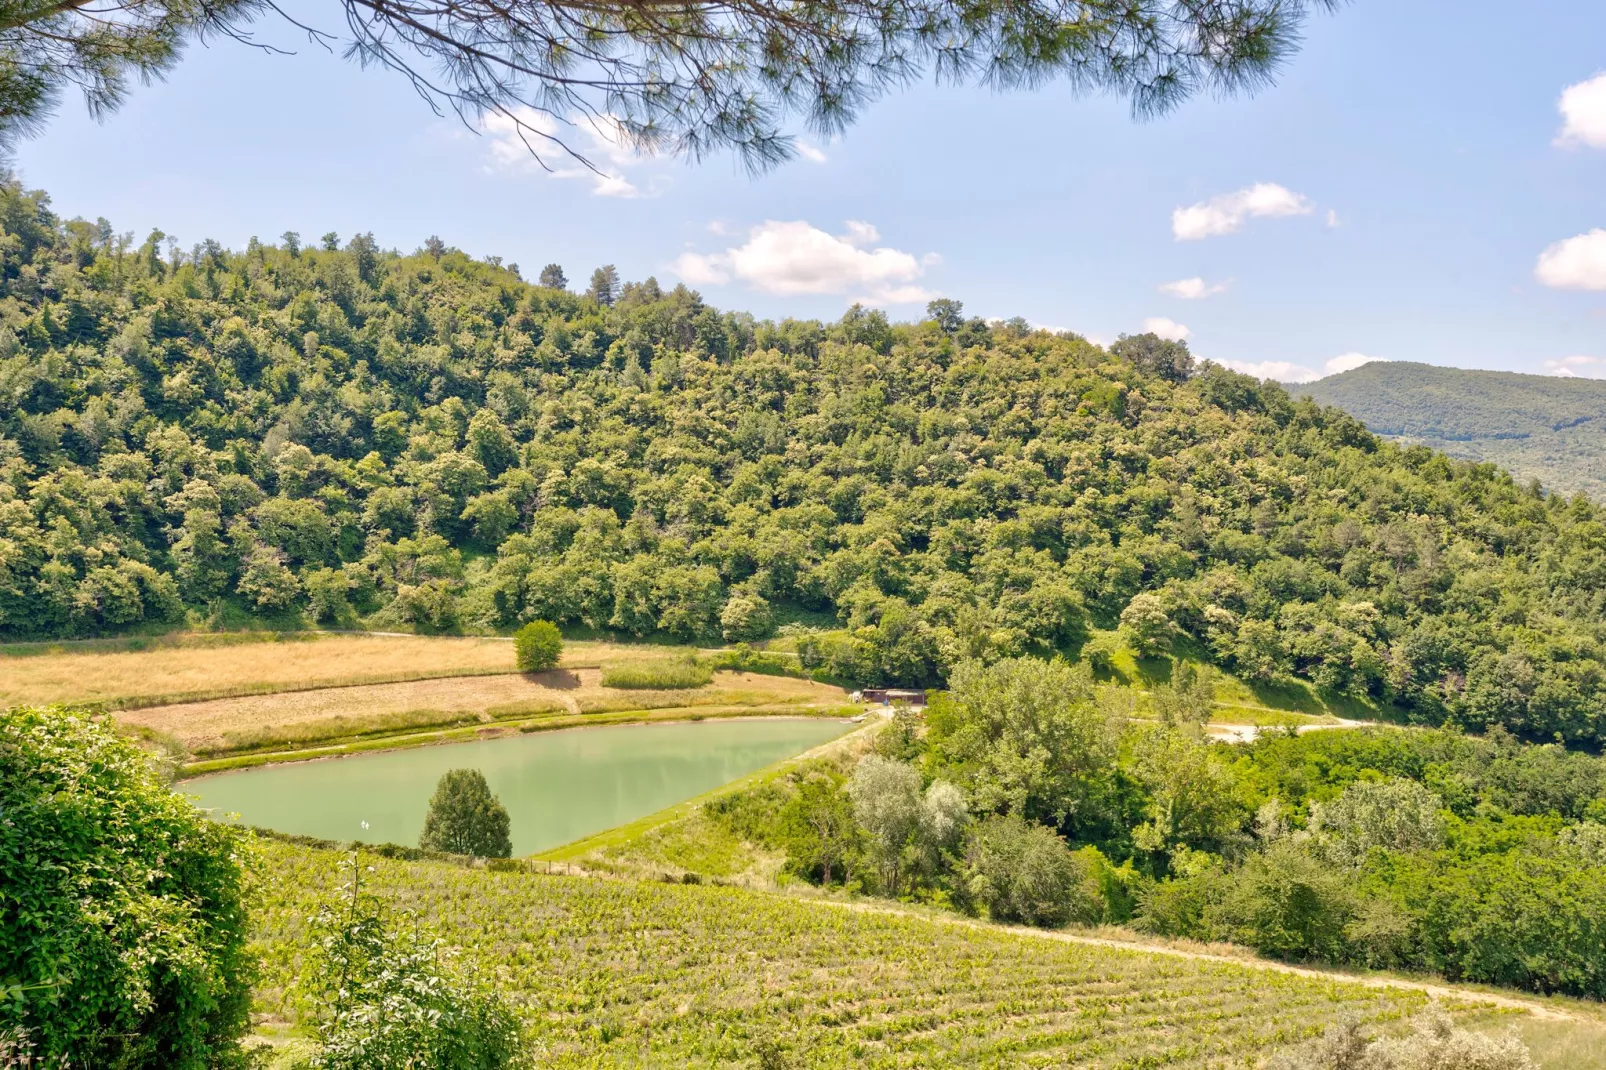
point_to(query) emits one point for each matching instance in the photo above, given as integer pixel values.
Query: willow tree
(678, 76)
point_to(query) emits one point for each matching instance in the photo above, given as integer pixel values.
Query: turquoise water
(557, 786)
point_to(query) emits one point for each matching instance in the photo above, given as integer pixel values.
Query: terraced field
(307, 716)
(624, 973)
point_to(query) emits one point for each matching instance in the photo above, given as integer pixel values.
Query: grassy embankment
(645, 973)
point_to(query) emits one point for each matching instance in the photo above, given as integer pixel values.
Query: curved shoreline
(480, 731)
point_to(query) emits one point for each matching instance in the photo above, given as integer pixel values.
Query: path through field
(1248, 733)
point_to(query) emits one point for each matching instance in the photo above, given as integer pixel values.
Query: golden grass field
(232, 723)
(185, 668)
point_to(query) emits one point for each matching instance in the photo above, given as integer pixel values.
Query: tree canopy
(537, 646)
(683, 76)
(465, 818)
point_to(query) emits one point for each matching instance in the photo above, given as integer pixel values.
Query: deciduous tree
(465, 818)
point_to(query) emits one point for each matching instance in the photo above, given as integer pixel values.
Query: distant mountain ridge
(1540, 427)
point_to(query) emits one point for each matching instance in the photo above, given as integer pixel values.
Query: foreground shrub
(537, 646)
(1023, 872)
(385, 996)
(122, 918)
(1435, 1044)
(658, 675)
(465, 818)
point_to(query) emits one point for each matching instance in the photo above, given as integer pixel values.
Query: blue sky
(1411, 189)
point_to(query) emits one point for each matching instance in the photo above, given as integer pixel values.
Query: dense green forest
(341, 434)
(1538, 426)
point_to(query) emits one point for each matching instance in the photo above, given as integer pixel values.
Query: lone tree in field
(465, 818)
(680, 76)
(537, 646)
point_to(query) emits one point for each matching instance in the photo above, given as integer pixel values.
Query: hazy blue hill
(1538, 426)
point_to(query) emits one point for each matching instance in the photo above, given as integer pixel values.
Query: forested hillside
(342, 434)
(1538, 426)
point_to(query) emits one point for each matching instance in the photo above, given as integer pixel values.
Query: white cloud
(1575, 264)
(515, 141)
(1166, 328)
(1288, 372)
(1346, 362)
(860, 232)
(797, 258)
(1333, 220)
(1583, 113)
(811, 152)
(1281, 370)
(1226, 212)
(1578, 366)
(1192, 289)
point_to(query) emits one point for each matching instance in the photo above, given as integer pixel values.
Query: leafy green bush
(1287, 903)
(743, 658)
(384, 995)
(1023, 872)
(1176, 907)
(1394, 815)
(537, 646)
(746, 616)
(1028, 736)
(122, 907)
(817, 830)
(663, 675)
(465, 818)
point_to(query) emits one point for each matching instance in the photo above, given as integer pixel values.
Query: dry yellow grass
(231, 722)
(209, 666)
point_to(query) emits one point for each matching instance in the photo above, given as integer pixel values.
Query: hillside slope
(352, 436)
(626, 973)
(1538, 426)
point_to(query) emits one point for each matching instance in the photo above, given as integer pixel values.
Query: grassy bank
(478, 730)
(633, 833)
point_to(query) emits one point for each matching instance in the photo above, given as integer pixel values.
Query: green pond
(557, 786)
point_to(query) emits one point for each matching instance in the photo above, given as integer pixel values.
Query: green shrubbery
(537, 646)
(665, 675)
(1021, 871)
(122, 907)
(1025, 796)
(743, 658)
(385, 995)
